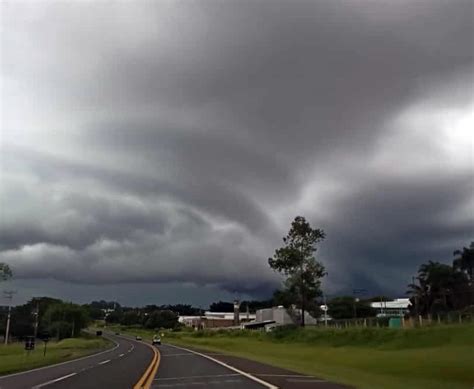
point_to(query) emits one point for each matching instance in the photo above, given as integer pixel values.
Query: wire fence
(447, 318)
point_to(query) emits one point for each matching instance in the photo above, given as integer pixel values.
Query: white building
(215, 319)
(281, 316)
(397, 307)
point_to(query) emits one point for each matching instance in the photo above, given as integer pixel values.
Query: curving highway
(120, 367)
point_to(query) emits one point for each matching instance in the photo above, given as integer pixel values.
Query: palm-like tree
(436, 282)
(464, 261)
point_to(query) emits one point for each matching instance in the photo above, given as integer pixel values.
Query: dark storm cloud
(171, 142)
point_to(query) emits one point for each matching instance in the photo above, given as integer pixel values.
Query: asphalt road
(183, 368)
(118, 368)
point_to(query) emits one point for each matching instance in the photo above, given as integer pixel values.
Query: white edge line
(53, 381)
(249, 376)
(62, 363)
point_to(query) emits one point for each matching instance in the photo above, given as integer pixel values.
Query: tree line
(46, 317)
(439, 288)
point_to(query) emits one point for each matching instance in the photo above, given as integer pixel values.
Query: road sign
(30, 343)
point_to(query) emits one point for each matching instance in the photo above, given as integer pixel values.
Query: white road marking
(197, 377)
(53, 381)
(206, 383)
(302, 380)
(249, 376)
(285, 375)
(104, 362)
(121, 355)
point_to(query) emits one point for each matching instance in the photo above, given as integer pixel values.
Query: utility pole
(325, 311)
(36, 313)
(8, 294)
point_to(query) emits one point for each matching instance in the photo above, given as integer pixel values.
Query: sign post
(29, 344)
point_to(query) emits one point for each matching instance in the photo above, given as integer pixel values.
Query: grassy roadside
(431, 357)
(14, 358)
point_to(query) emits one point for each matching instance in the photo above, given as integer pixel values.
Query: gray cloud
(173, 143)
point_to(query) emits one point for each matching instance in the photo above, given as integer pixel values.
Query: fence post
(439, 318)
(420, 320)
(460, 318)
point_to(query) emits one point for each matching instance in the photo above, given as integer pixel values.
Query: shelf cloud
(173, 142)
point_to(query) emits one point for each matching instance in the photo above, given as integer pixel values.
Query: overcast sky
(157, 151)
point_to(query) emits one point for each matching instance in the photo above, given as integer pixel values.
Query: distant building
(215, 319)
(283, 316)
(397, 307)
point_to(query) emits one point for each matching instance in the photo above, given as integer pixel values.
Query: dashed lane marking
(53, 381)
(303, 380)
(104, 362)
(205, 384)
(285, 375)
(63, 363)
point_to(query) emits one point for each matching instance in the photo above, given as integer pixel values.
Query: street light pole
(8, 294)
(325, 311)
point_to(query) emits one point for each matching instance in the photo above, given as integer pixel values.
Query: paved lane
(118, 368)
(183, 369)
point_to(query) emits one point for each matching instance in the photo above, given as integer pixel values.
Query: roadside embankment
(14, 358)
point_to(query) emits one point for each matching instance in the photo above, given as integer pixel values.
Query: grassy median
(375, 358)
(14, 358)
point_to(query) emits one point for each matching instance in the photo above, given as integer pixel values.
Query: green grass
(14, 358)
(378, 358)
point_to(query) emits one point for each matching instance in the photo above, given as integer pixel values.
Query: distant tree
(464, 261)
(438, 288)
(347, 307)
(297, 262)
(254, 305)
(94, 312)
(130, 318)
(5, 272)
(181, 309)
(102, 304)
(162, 319)
(222, 306)
(114, 317)
(65, 320)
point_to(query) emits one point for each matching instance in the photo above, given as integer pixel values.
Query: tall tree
(5, 272)
(296, 260)
(436, 288)
(464, 260)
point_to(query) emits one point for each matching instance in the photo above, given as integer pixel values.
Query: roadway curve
(182, 368)
(120, 367)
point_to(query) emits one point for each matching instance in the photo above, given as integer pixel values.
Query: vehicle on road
(156, 340)
(138, 337)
